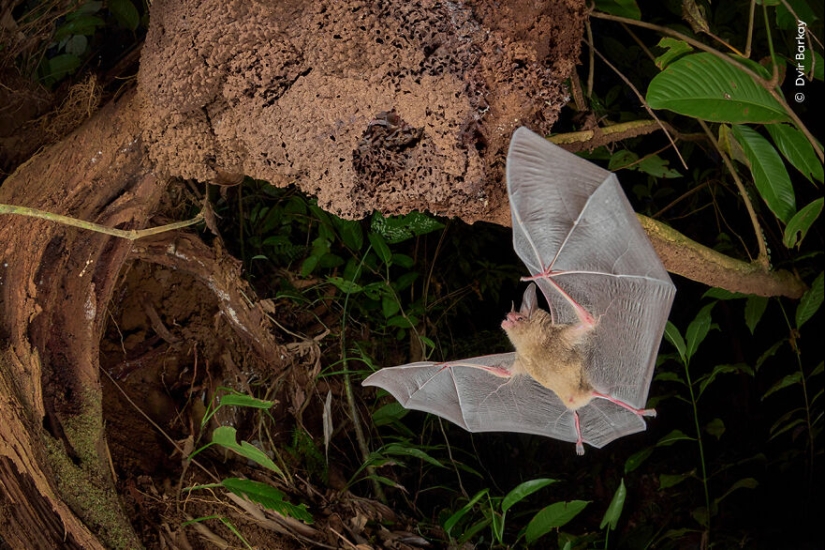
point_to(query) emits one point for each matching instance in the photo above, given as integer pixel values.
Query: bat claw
(648, 412)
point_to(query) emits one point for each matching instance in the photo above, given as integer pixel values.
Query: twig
(644, 102)
(129, 235)
(760, 239)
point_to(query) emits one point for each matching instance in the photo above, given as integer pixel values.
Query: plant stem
(130, 235)
(353, 409)
(701, 445)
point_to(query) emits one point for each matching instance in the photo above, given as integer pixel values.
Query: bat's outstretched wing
(574, 228)
(466, 393)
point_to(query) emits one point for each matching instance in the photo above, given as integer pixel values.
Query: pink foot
(579, 440)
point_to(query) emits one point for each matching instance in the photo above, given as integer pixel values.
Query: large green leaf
(622, 8)
(811, 301)
(769, 173)
(703, 86)
(802, 221)
(268, 496)
(797, 149)
(552, 517)
(400, 228)
(614, 511)
(524, 490)
(697, 330)
(126, 13)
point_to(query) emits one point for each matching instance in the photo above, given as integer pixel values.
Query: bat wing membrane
(478, 401)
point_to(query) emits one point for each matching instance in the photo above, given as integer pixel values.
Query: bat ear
(528, 301)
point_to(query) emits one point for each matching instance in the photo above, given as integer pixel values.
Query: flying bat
(582, 370)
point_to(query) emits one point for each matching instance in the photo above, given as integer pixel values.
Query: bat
(581, 371)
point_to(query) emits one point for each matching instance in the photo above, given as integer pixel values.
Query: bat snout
(512, 320)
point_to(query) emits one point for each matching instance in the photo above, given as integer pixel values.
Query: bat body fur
(582, 370)
(554, 355)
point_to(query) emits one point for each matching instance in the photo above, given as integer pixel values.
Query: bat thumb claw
(579, 448)
(648, 412)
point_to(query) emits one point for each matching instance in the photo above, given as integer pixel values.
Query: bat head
(527, 321)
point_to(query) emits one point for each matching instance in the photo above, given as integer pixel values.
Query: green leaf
(816, 61)
(637, 459)
(82, 24)
(703, 86)
(351, 233)
(754, 309)
(225, 437)
(523, 490)
(669, 480)
(722, 369)
(770, 352)
(780, 427)
(810, 302)
(552, 517)
(769, 173)
(788, 21)
(309, 265)
(397, 449)
(400, 228)
(746, 483)
(62, 65)
(622, 8)
(672, 335)
(405, 280)
(798, 227)
(380, 247)
(621, 159)
(716, 428)
(403, 260)
(267, 496)
(400, 321)
(789, 380)
(675, 49)
(86, 8)
(455, 518)
(389, 305)
(347, 287)
(795, 147)
(614, 511)
(389, 414)
(126, 14)
(243, 400)
(673, 437)
(700, 514)
(723, 294)
(697, 330)
(657, 167)
(76, 45)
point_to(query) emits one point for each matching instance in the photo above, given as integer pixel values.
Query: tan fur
(554, 355)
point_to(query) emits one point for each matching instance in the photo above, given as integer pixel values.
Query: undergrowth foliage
(739, 380)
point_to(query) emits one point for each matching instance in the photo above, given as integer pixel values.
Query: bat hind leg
(634, 410)
(579, 439)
